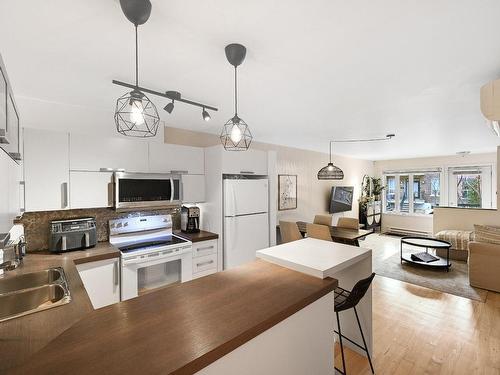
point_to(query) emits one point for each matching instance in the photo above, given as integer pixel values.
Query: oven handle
(161, 256)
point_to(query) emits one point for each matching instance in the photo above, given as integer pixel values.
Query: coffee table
(426, 243)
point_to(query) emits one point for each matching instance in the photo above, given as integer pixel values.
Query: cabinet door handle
(64, 191)
(205, 248)
(204, 263)
(247, 172)
(115, 273)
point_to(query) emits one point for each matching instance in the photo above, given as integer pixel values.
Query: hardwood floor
(421, 331)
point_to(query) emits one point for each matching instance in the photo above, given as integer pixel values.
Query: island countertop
(314, 257)
(182, 328)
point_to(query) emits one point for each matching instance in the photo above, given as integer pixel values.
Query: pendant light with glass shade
(236, 135)
(330, 171)
(135, 114)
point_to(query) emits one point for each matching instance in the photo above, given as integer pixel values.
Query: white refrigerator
(246, 219)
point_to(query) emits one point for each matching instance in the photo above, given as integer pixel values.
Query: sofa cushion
(459, 239)
(487, 233)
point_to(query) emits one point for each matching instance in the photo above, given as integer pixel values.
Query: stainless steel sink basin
(33, 300)
(30, 280)
(32, 292)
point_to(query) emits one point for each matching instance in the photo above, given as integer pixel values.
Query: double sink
(32, 292)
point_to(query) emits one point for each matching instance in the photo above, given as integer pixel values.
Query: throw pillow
(487, 233)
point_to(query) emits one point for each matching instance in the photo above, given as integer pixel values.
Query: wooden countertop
(182, 328)
(22, 337)
(197, 237)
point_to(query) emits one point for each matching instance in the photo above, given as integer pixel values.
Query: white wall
(313, 195)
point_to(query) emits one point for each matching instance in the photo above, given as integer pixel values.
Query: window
(418, 192)
(390, 193)
(426, 192)
(470, 187)
(404, 193)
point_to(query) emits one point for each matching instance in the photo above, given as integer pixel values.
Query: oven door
(147, 190)
(147, 273)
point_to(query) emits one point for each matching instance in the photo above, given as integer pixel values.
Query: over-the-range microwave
(147, 190)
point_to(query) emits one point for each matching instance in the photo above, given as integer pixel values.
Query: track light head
(205, 115)
(169, 107)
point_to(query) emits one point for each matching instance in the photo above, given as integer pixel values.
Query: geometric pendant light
(136, 115)
(235, 134)
(330, 171)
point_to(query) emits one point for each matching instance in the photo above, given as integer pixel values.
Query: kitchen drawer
(205, 263)
(204, 248)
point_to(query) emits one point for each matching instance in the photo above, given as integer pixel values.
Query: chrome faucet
(18, 251)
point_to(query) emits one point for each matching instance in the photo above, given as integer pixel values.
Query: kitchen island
(324, 259)
(271, 316)
(256, 318)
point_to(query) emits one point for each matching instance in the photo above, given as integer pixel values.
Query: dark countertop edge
(97, 257)
(216, 354)
(101, 251)
(197, 237)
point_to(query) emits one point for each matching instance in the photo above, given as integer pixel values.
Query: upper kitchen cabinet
(9, 117)
(96, 153)
(91, 189)
(46, 170)
(244, 162)
(11, 204)
(164, 158)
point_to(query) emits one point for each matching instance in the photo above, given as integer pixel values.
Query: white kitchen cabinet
(102, 281)
(91, 189)
(204, 258)
(94, 152)
(164, 158)
(193, 188)
(5, 223)
(247, 162)
(46, 170)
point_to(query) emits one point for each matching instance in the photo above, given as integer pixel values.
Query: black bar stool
(345, 300)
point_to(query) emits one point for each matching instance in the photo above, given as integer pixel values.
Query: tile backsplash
(37, 224)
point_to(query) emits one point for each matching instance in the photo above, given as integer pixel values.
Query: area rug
(386, 262)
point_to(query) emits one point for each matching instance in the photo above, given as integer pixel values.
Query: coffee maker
(190, 219)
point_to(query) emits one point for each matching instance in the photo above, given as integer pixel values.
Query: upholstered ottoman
(459, 240)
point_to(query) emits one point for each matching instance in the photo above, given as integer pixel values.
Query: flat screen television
(341, 199)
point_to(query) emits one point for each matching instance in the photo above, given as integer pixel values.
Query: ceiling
(315, 70)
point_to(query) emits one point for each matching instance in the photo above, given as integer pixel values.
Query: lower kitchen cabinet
(204, 258)
(91, 189)
(102, 281)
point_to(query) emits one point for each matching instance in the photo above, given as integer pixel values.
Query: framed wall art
(287, 192)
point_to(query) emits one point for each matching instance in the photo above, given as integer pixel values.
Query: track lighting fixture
(169, 107)
(205, 115)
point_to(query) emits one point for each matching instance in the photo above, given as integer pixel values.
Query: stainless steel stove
(151, 255)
